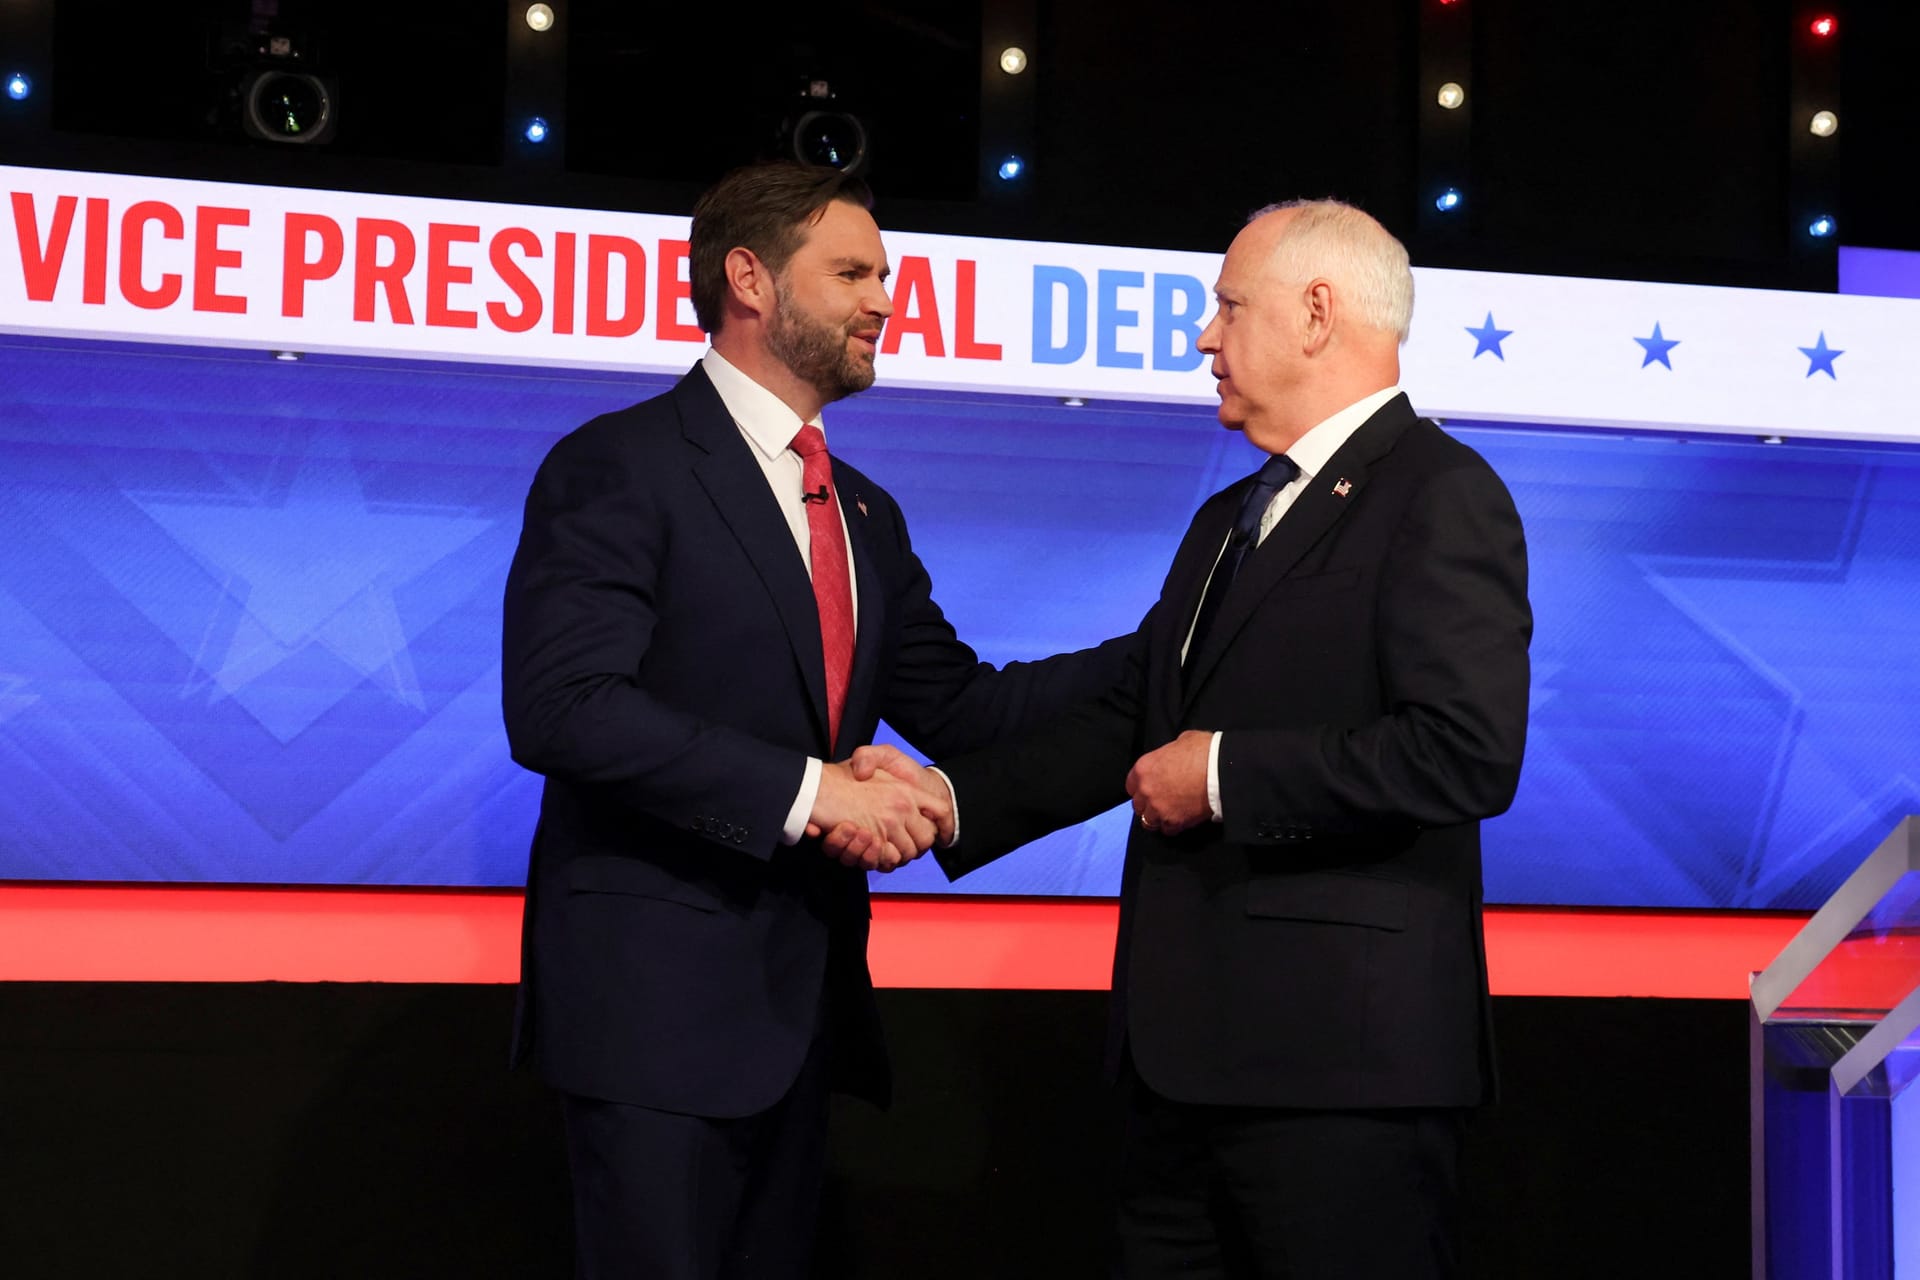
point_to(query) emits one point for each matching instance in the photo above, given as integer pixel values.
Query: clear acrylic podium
(1835, 1043)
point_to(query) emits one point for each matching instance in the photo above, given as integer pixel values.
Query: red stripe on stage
(177, 933)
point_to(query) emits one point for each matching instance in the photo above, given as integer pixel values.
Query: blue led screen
(249, 620)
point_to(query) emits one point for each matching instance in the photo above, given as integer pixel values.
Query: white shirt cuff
(954, 796)
(802, 804)
(1213, 779)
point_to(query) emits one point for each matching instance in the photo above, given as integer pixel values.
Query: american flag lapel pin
(1343, 487)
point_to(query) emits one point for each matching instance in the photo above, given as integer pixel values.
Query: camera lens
(289, 107)
(831, 138)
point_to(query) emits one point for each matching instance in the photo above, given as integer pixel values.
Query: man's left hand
(1169, 784)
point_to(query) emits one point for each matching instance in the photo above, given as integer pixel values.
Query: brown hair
(764, 208)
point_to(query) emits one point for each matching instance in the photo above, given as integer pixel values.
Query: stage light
(1011, 168)
(536, 130)
(1824, 124)
(1073, 402)
(1449, 200)
(1822, 227)
(288, 356)
(1451, 95)
(1824, 25)
(1013, 59)
(1773, 439)
(18, 87)
(540, 17)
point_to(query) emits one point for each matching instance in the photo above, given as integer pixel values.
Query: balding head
(1366, 265)
(1315, 299)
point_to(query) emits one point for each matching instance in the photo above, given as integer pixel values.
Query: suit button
(725, 830)
(740, 837)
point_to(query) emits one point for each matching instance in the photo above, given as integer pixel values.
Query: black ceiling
(1630, 137)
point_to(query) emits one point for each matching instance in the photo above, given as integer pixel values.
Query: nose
(1209, 339)
(878, 302)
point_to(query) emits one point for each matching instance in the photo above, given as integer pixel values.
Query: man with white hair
(1333, 694)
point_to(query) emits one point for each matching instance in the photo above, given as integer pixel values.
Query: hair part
(765, 209)
(1343, 244)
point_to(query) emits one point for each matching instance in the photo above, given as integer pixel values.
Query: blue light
(1822, 227)
(536, 130)
(1449, 200)
(18, 87)
(1011, 168)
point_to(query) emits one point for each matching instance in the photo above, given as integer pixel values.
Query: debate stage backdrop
(249, 618)
(249, 606)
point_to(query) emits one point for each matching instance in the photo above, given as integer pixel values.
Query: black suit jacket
(662, 668)
(1322, 947)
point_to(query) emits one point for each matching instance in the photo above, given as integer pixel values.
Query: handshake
(878, 810)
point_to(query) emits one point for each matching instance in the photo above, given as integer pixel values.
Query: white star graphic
(316, 570)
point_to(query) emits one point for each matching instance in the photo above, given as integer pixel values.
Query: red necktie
(832, 591)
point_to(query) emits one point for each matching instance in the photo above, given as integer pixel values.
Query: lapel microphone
(818, 495)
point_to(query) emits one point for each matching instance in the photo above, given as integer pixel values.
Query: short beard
(816, 353)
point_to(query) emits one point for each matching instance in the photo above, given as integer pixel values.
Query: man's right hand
(930, 789)
(872, 822)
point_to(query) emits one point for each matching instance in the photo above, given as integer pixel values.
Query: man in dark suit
(703, 612)
(1332, 695)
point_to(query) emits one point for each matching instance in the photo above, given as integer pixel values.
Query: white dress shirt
(1311, 453)
(769, 427)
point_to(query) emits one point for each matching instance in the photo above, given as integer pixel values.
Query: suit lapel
(738, 488)
(1339, 486)
(870, 615)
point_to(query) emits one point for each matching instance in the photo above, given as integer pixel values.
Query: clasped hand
(879, 810)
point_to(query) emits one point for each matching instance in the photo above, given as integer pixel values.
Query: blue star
(1487, 338)
(1657, 347)
(1820, 357)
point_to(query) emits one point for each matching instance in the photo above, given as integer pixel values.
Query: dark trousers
(1300, 1195)
(663, 1196)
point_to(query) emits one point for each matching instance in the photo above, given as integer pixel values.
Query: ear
(750, 285)
(1319, 303)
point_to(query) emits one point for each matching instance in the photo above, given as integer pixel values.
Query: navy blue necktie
(1271, 479)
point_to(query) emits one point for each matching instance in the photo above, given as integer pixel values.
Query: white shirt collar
(763, 417)
(1312, 451)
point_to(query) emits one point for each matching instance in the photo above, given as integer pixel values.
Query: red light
(1825, 25)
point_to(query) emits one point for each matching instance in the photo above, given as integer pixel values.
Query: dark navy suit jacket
(662, 668)
(1322, 947)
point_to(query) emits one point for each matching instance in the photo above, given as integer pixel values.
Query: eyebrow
(857, 264)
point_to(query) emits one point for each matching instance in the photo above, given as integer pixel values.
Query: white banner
(216, 264)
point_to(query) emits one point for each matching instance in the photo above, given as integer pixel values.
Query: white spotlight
(540, 17)
(1824, 124)
(1451, 95)
(1013, 59)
